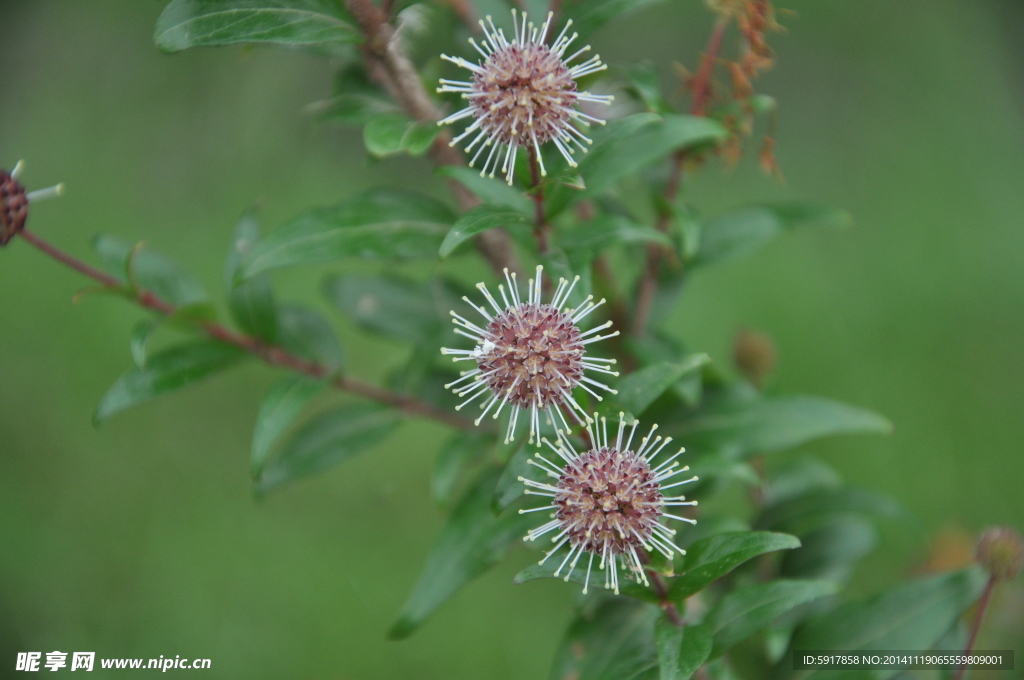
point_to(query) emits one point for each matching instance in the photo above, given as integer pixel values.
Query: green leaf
(711, 558)
(392, 133)
(739, 232)
(328, 440)
(165, 372)
(615, 643)
(487, 189)
(456, 456)
(830, 550)
(199, 23)
(140, 338)
(590, 15)
(681, 651)
(150, 271)
(392, 306)
(279, 408)
(308, 334)
(509, 489)
(477, 220)
(644, 85)
(745, 611)
(811, 510)
(380, 223)
(639, 390)
(252, 301)
(472, 541)
(609, 230)
(914, 615)
(775, 423)
(801, 476)
(353, 108)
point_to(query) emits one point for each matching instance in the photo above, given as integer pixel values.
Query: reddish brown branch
(979, 617)
(271, 354)
(541, 228)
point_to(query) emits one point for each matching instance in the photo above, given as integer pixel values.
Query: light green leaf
(681, 651)
(392, 133)
(477, 220)
(775, 423)
(150, 271)
(615, 643)
(165, 372)
(472, 541)
(140, 338)
(745, 611)
(251, 301)
(609, 230)
(198, 23)
(328, 440)
(487, 189)
(308, 334)
(389, 305)
(914, 615)
(711, 558)
(380, 223)
(744, 230)
(455, 458)
(279, 408)
(639, 390)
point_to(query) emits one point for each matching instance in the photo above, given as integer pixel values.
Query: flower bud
(1001, 551)
(13, 207)
(754, 354)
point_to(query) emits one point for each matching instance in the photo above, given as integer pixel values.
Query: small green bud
(1001, 551)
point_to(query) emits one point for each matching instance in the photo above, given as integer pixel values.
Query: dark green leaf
(380, 223)
(809, 511)
(799, 477)
(308, 334)
(353, 108)
(615, 643)
(139, 338)
(745, 611)
(472, 541)
(609, 230)
(150, 271)
(711, 558)
(681, 651)
(197, 23)
(509, 489)
(165, 372)
(742, 231)
(391, 133)
(392, 306)
(251, 301)
(830, 551)
(578, 574)
(913, 615)
(643, 78)
(590, 15)
(477, 220)
(329, 439)
(639, 390)
(456, 456)
(487, 189)
(279, 408)
(776, 423)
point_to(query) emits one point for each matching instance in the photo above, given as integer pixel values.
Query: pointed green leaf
(609, 230)
(487, 189)
(509, 489)
(198, 23)
(380, 223)
(472, 541)
(390, 305)
(251, 301)
(739, 232)
(477, 220)
(811, 510)
(914, 615)
(590, 15)
(745, 611)
(615, 643)
(774, 424)
(681, 651)
(165, 372)
(392, 133)
(644, 86)
(139, 339)
(307, 333)
(455, 458)
(150, 271)
(279, 408)
(353, 108)
(830, 551)
(328, 440)
(639, 390)
(711, 558)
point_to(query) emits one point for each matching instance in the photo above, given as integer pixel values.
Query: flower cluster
(523, 94)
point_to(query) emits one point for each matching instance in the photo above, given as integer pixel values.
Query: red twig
(541, 228)
(979, 617)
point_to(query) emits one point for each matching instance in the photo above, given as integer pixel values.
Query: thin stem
(647, 288)
(660, 589)
(618, 312)
(541, 228)
(271, 354)
(979, 617)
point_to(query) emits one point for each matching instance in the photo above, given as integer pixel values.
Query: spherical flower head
(1001, 551)
(523, 94)
(14, 202)
(530, 355)
(609, 501)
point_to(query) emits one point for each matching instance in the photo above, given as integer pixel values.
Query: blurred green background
(142, 538)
